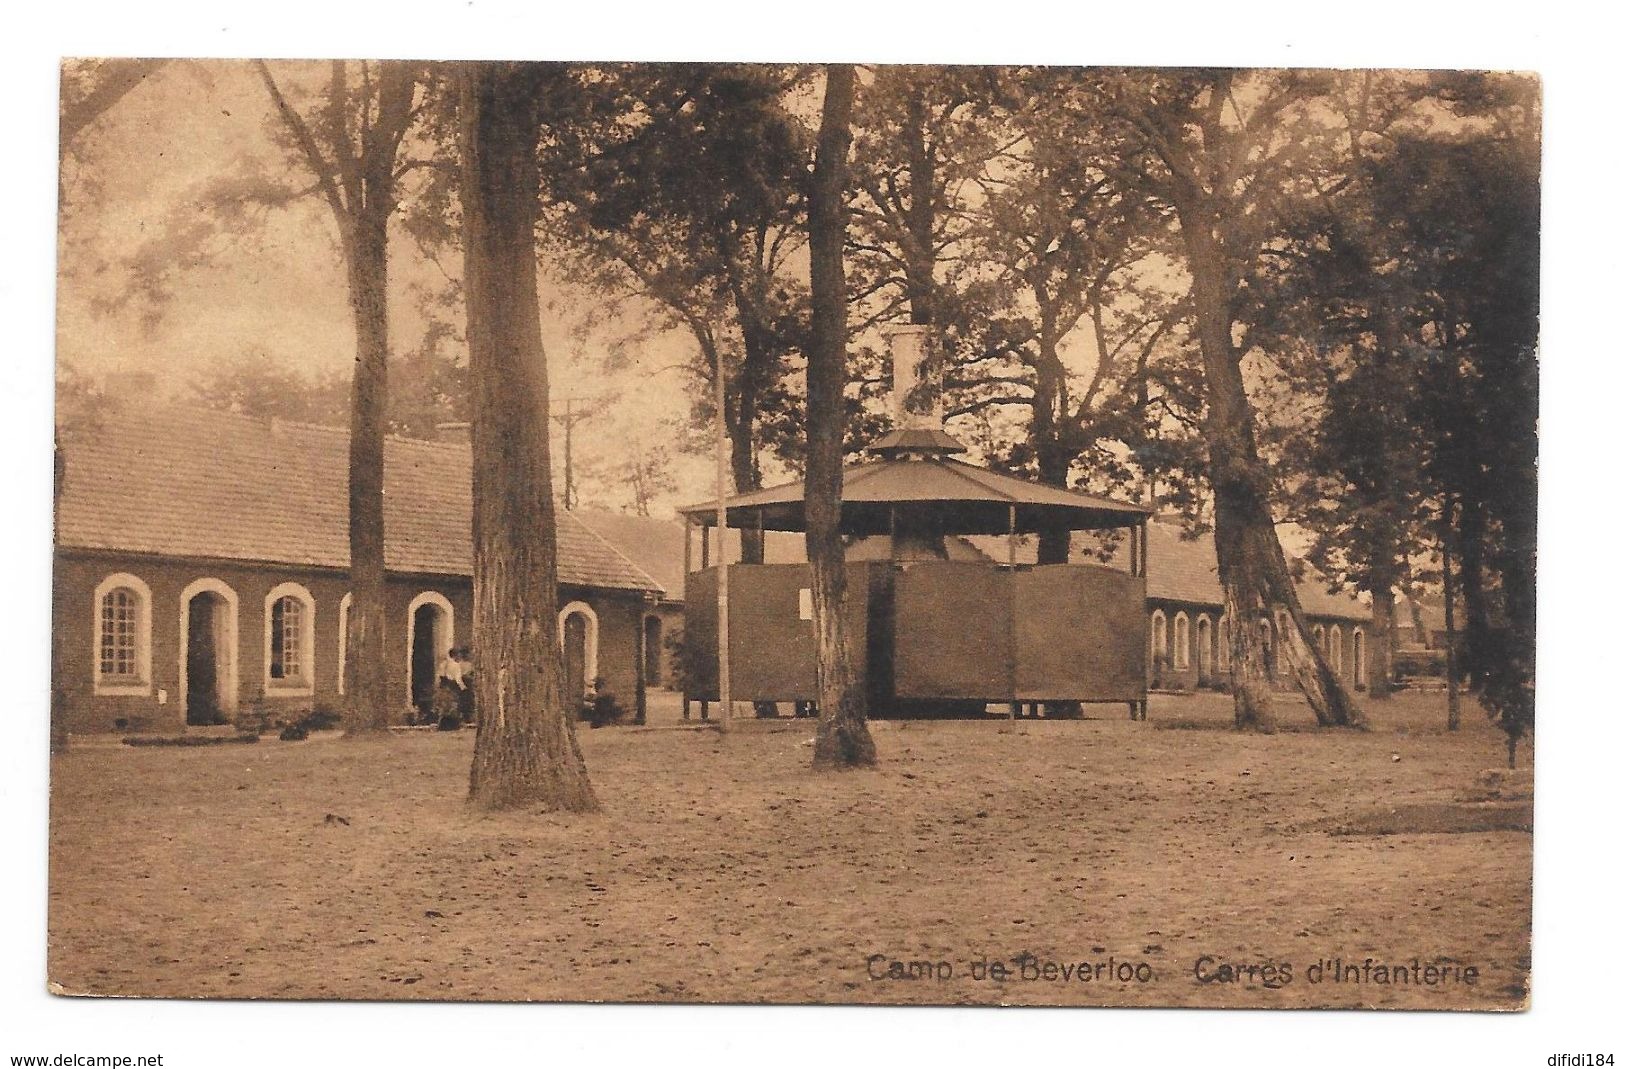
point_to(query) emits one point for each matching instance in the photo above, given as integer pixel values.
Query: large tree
(1222, 149)
(1475, 203)
(525, 753)
(683, 186)
(1057, 320)
(350, 142)
(843, 739)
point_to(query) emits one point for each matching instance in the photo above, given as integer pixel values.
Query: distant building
(1189, 633)
(201, 567)
(1419, 623)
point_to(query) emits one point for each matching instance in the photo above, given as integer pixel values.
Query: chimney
(458, 432)
(916, 397)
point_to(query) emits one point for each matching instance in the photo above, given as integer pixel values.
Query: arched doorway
(652, 638)
(208, 652)
(429, 637)
(578, 638)
(575, 657)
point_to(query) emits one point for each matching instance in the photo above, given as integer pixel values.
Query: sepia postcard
(795, 533)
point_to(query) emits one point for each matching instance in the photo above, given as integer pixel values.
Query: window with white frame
(290, 650)
(1159, 635)
(1182, 641)
(123, 636)
(1359, 657)
(1337, 649)
(344, 638)
(1320, 637)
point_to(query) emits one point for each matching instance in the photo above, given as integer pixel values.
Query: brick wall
(162, 706)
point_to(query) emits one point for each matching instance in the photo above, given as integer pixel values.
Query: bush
(257, 719)
(680, 662)
(600, 707)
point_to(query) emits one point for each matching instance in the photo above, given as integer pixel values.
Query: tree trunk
(1252, 567)
(356, 175)
(920, 217)
(843, 739)
(525, 753)
(366, 666)
(1384, 566)
(1049, 412)
(1452, 673)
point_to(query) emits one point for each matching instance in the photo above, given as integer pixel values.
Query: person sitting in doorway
(465, 699)
(449, 690)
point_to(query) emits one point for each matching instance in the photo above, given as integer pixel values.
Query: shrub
(601, 706)
(257, 719)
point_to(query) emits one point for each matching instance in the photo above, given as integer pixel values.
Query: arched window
(1359, 657)
(1266, 645)
(1320, 638)
(344, 638)
(122, 636)
(1159, 636)
(1182, 641)
(1204, 646)
(1224, 643)
(290, 646)
(1337, 649)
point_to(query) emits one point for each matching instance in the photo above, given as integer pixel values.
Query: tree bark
(843, 739)
(1452, 672)
(525, 753)
(366, 666)
(1252, 567)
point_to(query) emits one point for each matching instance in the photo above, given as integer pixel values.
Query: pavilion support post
(688, 569)
(1010, 554)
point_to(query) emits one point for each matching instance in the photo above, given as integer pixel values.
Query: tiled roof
(1181, 569)
(654, 545)
(196, 483)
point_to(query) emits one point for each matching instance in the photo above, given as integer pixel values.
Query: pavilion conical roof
(965, 499)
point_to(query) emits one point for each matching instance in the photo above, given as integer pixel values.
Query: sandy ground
(722, 869)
